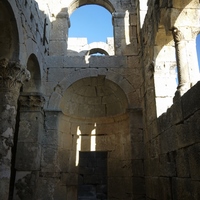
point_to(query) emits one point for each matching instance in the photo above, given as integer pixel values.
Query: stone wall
(127, 109)
(171, 158)
(170, 114)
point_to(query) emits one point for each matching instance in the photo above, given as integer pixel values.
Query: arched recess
(94, 97)
(94, 120)
(34, 84)
(9, 39)
(78, 3)
(56, 96)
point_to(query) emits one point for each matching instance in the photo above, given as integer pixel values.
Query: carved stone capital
(12, 74)
(31, 101)
(177, 35)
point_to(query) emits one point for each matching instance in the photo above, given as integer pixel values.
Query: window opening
(92, 22)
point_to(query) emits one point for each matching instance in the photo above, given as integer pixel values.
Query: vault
(94, 97)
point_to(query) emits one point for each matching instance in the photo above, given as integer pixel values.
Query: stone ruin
(123, 126)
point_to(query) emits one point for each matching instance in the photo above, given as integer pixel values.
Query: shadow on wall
(9, 38)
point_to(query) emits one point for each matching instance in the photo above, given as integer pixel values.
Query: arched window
(92, 23)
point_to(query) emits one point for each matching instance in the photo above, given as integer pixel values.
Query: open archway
(78, 3)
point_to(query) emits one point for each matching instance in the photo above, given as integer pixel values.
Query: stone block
(25, 184)
(194, 161)
(75, 62)
(137, 150)
(119, 168)
(169, 140)
(57, 48)
(107, 61)
(152, 167)
(187, 133)
(116, 190)
(63, 160)
(71, 192)
(50, 188)
(138, 168)
(30, 131)
(138, 185)
(182, 163)
(185, 188)
(59, 29)
(55, 61)
(167, 164)
(52, 120)
(50, 137)
(28, 156)
(191, 101)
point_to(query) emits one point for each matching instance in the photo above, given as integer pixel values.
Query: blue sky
(198, 47)
(91, 21)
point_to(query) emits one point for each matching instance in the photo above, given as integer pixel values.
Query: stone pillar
(119, 32)
(28, 155)
(181, 59)
(12, 75)
(59, 34)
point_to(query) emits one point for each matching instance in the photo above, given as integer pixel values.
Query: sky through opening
(91, 21)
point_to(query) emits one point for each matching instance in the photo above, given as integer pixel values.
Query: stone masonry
(120, 126)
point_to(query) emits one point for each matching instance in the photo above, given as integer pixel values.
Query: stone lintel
(90, 62)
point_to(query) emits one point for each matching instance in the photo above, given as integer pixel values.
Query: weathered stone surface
(124, 104)
(28, 156)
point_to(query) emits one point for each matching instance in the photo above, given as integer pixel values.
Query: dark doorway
(92, 176)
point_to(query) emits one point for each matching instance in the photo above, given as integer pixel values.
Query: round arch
(9, 37)
(78, 3)
(97, 50)
(99, 47)
(56, 96)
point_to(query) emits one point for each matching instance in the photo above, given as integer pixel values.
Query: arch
(9, 37)
(97, 50)
(34, 84)
(93, 97)
(56, 96)
(99, 47)
(78, 3)
(164, 52)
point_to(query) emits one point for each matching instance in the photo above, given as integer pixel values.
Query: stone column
(181, 59)
(12, 75)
